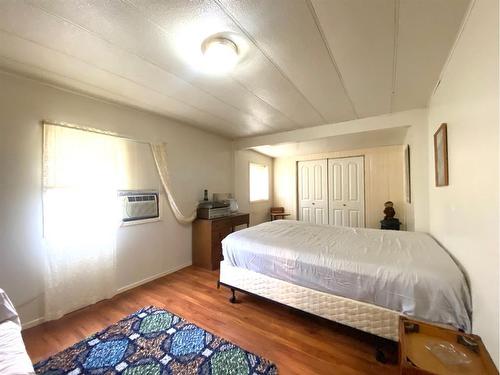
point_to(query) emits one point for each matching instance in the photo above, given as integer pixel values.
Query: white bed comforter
(406, 272)
(13, 357)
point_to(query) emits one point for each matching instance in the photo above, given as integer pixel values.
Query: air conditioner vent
(139, 205)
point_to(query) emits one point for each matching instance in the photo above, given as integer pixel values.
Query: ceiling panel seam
(121, 77)
(274, 63)
(232, 77)
(162, 29)
(330, 54)
(262, 100)
(17, 62)
(395, 52)
(465, 19)
(266, 125)
(59, 86)
(270, 106)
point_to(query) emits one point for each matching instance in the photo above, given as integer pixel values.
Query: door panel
(304, 177)
(337, 217)
(337, 182)
(346, 192)
(305, 214)
(320, 216)
(353, 182)
(313, 191)
(354, 219)
(318, 183)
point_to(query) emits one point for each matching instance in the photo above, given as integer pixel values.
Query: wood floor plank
(297, 342)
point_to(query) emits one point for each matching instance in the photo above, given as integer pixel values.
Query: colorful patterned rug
(154, 341)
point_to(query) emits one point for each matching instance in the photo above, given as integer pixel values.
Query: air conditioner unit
(139, 205)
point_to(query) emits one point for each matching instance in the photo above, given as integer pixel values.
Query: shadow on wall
(259, 212)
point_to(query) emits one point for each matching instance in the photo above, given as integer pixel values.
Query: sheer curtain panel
(159, 151)
(80, 176)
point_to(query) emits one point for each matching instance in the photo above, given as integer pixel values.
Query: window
(81, 172)
(259, 182)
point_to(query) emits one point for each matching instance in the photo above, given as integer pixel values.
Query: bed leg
(218, 284)
(232, 299)
(380, 355)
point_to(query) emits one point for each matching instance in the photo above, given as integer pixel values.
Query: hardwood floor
(296, 342)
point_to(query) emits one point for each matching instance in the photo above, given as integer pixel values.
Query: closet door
(346, 193)
(312, 190)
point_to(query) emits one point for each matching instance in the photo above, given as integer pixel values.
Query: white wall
(360, 134)
(259, 211)
(197, 160)
(464, 216)
(417, 212)
(364, 125)
(384, 181)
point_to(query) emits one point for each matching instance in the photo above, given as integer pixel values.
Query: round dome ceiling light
(220, 54)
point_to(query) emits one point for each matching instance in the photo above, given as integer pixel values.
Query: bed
(13, 356)
(363, 278)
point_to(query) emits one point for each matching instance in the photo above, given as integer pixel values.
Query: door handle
(344, 204)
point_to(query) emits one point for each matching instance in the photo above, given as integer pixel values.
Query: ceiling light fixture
(220, 54)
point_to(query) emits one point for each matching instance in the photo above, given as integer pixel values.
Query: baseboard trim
(151, 278)
(38, 321)
(32, 323)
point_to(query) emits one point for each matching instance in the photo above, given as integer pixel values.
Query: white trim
(38, 321)
(32, 323)
(151, 278)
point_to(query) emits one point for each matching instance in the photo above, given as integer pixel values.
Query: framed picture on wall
(407, 174)
(441, 155)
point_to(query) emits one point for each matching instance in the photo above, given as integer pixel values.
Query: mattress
(13, 356)
(407, 272)
(360, 315)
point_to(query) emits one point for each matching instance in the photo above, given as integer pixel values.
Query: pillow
(7, 309)
(13, 357)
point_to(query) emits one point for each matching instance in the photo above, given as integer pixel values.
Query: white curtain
(160, 157)
(81, 172)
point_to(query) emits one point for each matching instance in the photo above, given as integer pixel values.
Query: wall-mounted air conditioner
(139, 205)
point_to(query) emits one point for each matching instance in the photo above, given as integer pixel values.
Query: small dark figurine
(389, 210)
(389, 222)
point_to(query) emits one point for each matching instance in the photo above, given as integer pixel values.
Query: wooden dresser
(207, 237)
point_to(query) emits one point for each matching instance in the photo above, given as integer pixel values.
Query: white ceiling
(303, 62)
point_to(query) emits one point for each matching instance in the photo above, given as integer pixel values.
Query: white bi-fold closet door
(343, 180)
(313, 192)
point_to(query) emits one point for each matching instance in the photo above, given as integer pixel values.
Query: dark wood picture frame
(441, 155)
(407, 174)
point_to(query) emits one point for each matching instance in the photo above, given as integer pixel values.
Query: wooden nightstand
(416, 359)
(207, 237)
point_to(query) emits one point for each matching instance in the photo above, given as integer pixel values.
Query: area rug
(153, 341)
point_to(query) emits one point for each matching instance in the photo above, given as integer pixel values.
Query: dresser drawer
(239, 220)
(219, 235)
(216, 255)
(207, 236)
(221, 224)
